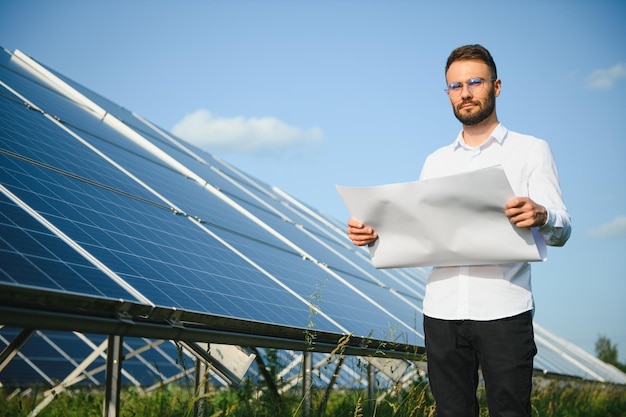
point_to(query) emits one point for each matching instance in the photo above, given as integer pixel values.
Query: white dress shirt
(489, 292)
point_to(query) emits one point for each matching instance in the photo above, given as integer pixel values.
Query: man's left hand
(524, 212)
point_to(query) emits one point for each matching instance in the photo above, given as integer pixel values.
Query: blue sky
(306, 95)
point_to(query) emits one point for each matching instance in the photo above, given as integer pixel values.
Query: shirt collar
(498, 135)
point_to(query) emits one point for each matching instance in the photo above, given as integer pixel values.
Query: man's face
(472, 107)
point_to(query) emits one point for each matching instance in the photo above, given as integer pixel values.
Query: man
(482, 315)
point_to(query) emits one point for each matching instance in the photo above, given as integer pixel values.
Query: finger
(365, 233)
(363, 230)
(514, 202)
(512, 212)
(362, 241)
(524, 223)
(523, 219)
(358, 230)
(355, 223)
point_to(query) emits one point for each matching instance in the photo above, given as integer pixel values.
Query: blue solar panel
(223, 216)
(58, 353)
(30, 255)
(148, 246)
(166, 258)
(243, 198)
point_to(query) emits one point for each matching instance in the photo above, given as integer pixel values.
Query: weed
(551, 398)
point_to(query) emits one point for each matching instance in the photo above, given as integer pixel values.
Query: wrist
(546, 216)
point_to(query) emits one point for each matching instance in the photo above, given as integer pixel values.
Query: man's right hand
(360, 234)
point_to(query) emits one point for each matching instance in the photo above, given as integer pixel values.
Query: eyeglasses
(474, 86)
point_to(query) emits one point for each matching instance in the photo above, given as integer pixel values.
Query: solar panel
(102, 209)
(165, 258)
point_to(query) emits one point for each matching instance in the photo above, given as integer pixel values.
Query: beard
(484, 110)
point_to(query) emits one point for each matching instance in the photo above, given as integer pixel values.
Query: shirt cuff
(556, 231)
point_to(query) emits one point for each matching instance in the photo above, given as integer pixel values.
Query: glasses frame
(458, 86)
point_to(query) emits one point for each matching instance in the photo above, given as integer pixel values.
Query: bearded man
(481, 317)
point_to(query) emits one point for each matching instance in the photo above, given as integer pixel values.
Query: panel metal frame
(28, 307)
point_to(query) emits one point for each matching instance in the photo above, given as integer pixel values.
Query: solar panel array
(101, 207)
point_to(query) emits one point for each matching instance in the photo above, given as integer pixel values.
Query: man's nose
(465, 91)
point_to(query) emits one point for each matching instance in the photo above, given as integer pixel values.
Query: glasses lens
(454, 89)
(475, 85)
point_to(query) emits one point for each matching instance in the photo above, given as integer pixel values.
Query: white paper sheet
(455, 220)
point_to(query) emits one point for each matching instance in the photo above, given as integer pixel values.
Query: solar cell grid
(112, 243)
(214, 211)
(23, 264)
(57, 353)
(109, 238)
(304, 286)
(272, 218)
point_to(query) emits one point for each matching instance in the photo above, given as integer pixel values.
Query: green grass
(550, 399)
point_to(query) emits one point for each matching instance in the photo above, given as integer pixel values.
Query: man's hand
(360, 234)
(524, 212)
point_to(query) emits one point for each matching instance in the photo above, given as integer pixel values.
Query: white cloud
(605, 79)
(239, 134)
(614, 228)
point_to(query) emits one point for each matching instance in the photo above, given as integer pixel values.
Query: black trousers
(503, 349)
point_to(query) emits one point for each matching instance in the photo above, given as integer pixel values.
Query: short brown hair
(477, 52)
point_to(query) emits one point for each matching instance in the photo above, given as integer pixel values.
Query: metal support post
(307, 369)
(113, 381)
(371, 389)
(202, 372)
